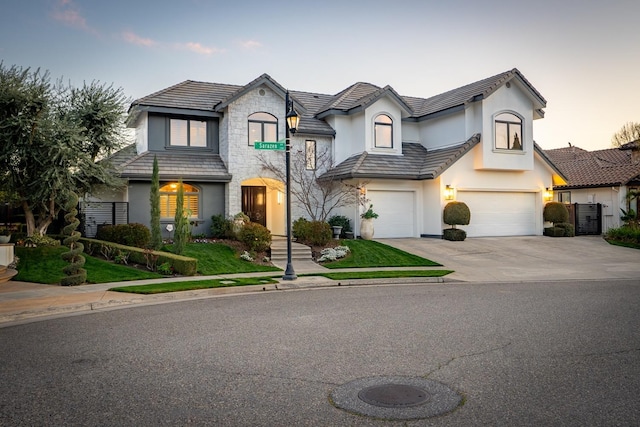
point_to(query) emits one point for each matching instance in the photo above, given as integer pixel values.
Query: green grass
(193, 285)
(44, 265)
(348, 275)
(367, 253)
(215, 258)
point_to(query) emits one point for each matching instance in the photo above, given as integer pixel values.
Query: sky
(583, 56)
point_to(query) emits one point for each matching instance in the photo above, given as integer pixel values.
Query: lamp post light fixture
(293, 119)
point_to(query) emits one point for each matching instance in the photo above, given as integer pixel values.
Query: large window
(310, 154)
(383, 131)
(187, 133)
(508, 132)
(262, 127)
(168, 199)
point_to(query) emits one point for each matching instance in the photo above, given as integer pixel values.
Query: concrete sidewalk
(503, 259)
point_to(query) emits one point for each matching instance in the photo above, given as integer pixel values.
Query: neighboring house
(409, 156)
(601, 177)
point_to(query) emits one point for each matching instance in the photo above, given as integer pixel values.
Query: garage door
(500, 214)
(397, 213)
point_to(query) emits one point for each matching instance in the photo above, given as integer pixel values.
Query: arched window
(508, 132)
(262, 127)
(383, 131)
(168, 198)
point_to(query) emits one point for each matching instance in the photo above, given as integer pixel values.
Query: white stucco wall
(389, 108)
(443, 131)
(506, 99)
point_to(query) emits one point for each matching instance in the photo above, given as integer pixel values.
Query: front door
(254, 203)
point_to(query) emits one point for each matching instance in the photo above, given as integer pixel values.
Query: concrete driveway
(527, 258)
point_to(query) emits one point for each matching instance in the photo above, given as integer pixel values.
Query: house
(598, 182)
(408, 156)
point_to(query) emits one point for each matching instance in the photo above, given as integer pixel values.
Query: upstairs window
(262, 127)
(383, 131)
(508, 132)
(187, 133)
(169, 196)
(310, 154)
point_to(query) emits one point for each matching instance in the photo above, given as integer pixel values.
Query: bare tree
(628, 133)
(317, 197)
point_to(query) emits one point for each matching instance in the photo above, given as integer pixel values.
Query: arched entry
(263, 202)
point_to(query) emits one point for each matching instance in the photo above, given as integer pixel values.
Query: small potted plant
(366, 225)
(5, 235)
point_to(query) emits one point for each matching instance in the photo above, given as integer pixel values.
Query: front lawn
(44, 265)
(218, 258)
(159, 288)
(367, 253)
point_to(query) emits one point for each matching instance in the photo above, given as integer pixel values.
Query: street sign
(278, 145)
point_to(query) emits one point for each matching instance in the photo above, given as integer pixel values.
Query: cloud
(250, 44)
(131, 37)
(198, 48)
(68, 14)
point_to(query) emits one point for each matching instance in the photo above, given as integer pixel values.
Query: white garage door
(397, 213)
(500, 214)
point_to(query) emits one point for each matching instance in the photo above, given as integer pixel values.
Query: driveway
(527, 258)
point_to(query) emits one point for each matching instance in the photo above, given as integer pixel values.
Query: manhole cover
(395, 398)
(394, 395)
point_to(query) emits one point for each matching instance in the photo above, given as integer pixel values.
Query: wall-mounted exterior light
(449, 192)
(548, 194)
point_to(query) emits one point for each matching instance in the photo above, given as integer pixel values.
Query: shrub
(341, 221)
(312, 233)
(134, 234)
(37, 240)
(569, 229)
(255, 237)
(456, 213)
(332, 254)
(624, 234)
(555, 212)
(299, 227)
(221, 227)
(454, 234)
(554, 231)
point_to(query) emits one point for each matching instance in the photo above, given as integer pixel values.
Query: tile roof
(204, 167)
(211, 96)
(416, 163)
(600, 168)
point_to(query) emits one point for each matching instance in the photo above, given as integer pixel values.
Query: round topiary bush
(255, 237)
(456, 213)
(555, 212)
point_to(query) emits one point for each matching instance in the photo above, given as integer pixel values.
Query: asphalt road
(539, 354)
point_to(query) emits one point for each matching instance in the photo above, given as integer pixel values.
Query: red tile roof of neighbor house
(600, 168)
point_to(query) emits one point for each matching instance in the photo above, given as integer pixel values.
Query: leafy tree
(51, 138)
(317, 197)
(628, 133)
(154, 200)
(181, 232)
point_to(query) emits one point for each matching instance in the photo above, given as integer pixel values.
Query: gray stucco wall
(211, 203)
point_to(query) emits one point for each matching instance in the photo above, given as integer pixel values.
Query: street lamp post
(292, 120)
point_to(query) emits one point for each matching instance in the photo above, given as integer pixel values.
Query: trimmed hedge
(554, 231)
(181, 264)
(132, 234)
(456, 213)
(555, 212)
(312, 233)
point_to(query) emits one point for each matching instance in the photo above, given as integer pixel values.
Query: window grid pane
(178, 135)
(383, 136)
(198, 133)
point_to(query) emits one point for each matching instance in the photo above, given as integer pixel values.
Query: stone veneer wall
(242, 159)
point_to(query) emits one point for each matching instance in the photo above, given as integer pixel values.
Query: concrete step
(298, 251)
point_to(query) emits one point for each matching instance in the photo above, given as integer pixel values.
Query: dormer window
(508, 132)
(383, 131)
(187, 133)
(262, 127)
